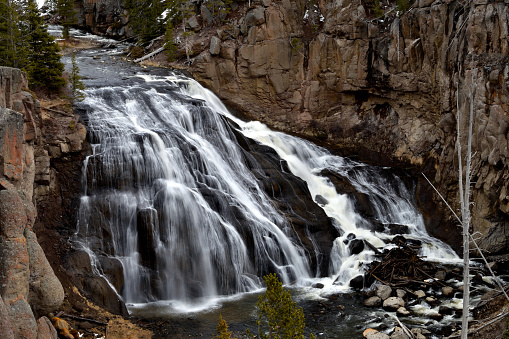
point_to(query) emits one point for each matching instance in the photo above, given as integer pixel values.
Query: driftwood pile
(402, 266)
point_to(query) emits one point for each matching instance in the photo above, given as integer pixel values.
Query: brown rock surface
(5, 322)
(383, 90)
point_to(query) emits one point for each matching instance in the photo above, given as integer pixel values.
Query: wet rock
(374, 334)
(45, 329)
(441, 274)
(5, 322)
(432, 301)
(373, 301)
(445, 310)
(46, 292)
(357, 282)
(398, 229)
(420, 294)
(403, 312)
(356, 246)
(383, 291)
(447, 291)
(318, 285)
(401, 293)
(102, 294)
(113, 270)
(393, 304)
(399, 334)
(436, 316)
(22, 319)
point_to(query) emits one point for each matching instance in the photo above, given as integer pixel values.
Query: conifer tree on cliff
(68, 14)
(145, 18)
(12, 53)
(44, 66)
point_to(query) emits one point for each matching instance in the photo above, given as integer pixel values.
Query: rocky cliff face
(29, 288)
(389, 90)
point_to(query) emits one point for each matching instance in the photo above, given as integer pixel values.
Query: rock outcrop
(29, 287)
(388, 90)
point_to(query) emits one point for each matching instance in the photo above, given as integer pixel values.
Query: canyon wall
(388, 90)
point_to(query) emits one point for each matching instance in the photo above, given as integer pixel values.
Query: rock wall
(103, 17)
(387, 90)
(29, 288)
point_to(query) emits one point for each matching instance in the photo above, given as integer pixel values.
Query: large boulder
(23, 322)
(5, 322)
(13, 217)
(46, 292)
(14, 268)
(45, 329)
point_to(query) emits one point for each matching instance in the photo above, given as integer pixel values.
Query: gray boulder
(255, 17)
(46, 292)
(383, 291)
(13, 217)
(5, 322)
(14, 269)
(23, 322)
(393, 303)
(215, 45)
(45, 329)
(373, 301)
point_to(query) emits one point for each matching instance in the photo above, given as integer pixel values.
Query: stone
(357, 282)
(373, 301)
(255, 17)
(383, 291)
(356, 246)
(432, 301)
(401, 293)
(441, 274)
(11, 144)
(13, 219)
(5, 322)
(46, 292)
(193, 23)
(403, 312)
(445, 310)
(393, 304)
(215, 45)
(208, 19)
(374, 334)
(23, 322)
(420, 294)
(45, 329)
(436, 316)
(447, 291)
(399, 334)
(14, 268)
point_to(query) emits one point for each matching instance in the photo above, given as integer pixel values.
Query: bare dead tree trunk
(464, 191)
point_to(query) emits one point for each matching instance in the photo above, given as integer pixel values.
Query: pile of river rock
(398, 302)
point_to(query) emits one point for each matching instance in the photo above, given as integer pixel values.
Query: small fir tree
(44, 66)
(279, 317)
(222, 330)
(77, 86)
(12, 47)
(68, 13)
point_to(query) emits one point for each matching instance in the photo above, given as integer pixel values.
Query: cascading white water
(167, 191)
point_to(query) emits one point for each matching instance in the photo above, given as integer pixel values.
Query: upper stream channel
(198, 205)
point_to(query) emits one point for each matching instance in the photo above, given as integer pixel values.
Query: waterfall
(169, 191)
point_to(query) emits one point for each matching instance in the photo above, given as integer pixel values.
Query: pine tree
(279, 317)
(77, 86)
(68, 14)
(12, 51)
(222, 330)
(145, 18)
(44, 66)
